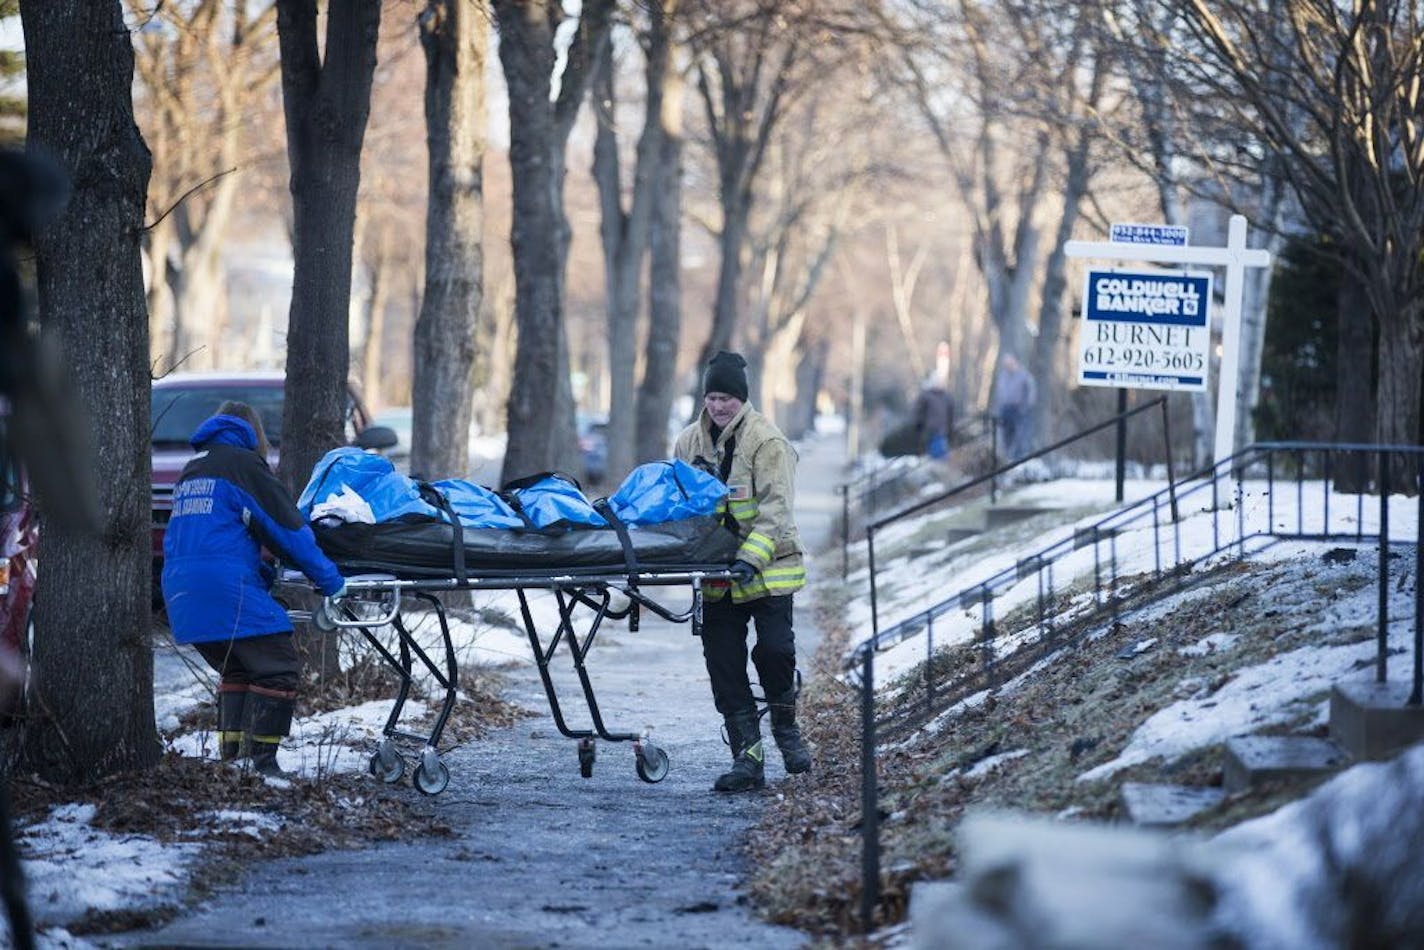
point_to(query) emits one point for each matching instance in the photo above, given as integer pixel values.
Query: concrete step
(955, 535)
(1162, 806)
(1253, 760)
(1373, 720)
(996, 516)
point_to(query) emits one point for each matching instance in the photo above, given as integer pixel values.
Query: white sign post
(1235, 257)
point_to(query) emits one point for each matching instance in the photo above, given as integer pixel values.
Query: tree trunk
(625, 234)
(1397, 412)
(455, 34)
(659, 386)
(326, 103)
(1354, 408)
(729, 282)
(161, 310)
(800, 413)
(1044, 359)
(93, 662)
(540, 419)
(373, 347)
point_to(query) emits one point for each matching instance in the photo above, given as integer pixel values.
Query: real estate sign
(1145, 330)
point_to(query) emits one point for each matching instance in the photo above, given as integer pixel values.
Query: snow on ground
(72, 866)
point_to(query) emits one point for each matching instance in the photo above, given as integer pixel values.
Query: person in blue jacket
(227, 505)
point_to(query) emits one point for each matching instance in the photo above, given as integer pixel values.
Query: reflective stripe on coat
(761, 495)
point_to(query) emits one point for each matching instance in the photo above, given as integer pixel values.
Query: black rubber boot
(787, 734)
(232, 705)
(269, 719)
(748, 770)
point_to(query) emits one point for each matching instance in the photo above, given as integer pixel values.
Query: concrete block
(955, 535)
(997, 516)
(1373, 720)
(1029, 882)
(1162, 806)
(1252, 760)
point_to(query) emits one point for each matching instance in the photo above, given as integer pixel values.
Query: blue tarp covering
(654, 493)
(658, 492)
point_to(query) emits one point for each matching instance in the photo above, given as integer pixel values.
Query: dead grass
(1072, 714)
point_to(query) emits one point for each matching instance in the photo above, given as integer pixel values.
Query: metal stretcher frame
(591, 590)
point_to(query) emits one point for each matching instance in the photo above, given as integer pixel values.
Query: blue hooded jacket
(227, 504)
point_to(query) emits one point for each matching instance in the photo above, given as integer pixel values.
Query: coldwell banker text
(1159, 295)
(1145, 330)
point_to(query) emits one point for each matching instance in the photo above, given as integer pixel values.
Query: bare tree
(390, 219)
(455, 34)
(745, 64)
(1335, 92)
(326, 100)
(93, 662)
(816, 171)
(625, 232)
(659, 384)
(1076, 55)
(203, 67)
(1001, 165)
(540, 432)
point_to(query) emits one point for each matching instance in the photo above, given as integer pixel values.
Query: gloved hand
(341, 592)
(742, 572)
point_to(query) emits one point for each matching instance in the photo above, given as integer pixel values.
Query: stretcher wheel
(587, 754)
(431, 781)
(387, 765)
(652, 763)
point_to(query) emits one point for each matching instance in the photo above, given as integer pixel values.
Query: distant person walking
(1015, 394)
(934, 418)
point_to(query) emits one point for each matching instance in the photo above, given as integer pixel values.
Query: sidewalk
(541, 857)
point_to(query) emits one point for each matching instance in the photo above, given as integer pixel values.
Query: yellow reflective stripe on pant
(771, 583)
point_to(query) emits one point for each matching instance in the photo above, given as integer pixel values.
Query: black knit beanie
(726, 373)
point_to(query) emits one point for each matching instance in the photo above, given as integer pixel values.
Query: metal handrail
(1133, 516)
(1118, 420)
(871, 484)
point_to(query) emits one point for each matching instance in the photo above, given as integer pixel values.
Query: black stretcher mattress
(422, 548)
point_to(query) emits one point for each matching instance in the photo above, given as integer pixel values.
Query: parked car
(593, 447)
(19, 534)
(181, 401)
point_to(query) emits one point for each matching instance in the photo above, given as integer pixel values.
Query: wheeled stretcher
(390, 566)
(664, 529)
(585, 601)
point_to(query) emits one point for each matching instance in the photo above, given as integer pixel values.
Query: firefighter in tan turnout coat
(749, 454)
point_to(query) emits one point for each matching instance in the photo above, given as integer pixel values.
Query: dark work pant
(724, 648)
(268, 662)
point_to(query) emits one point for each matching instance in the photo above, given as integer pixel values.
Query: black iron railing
(866, 495)
(1265, 494)
(991, 478)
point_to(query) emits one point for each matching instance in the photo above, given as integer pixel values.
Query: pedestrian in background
(1015, 394)
(227, 505)
(934, 418)
(751, 456)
